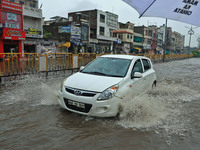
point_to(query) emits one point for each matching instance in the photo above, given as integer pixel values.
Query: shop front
(11, 24)
(33, 37)
(11, 41)
(103, 46)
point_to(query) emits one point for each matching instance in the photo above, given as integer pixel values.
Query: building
(138, 43)
(32, 17)
(152, 32)
(146, 38)
(177, 43)
(101, 27)
(125, 33)
(160, 35)
(11, 27)
(80, 31)
(57, 31)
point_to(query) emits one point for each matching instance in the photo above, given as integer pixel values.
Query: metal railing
(59, 61)
(13, 64)
(85, 58)
(18, 63)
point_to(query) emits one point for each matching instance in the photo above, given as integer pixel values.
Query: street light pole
(190, 32)
(165, 45)
(198, 40)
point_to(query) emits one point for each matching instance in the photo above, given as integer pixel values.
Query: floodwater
(167, 118)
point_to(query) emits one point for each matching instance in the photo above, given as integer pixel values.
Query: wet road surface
(165, 118)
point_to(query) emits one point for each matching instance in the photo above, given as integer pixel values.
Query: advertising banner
(11, 20)
(66, 29)
(76, 35)
(11, 6)
(75, 30)
(13, 34)
(34, 33)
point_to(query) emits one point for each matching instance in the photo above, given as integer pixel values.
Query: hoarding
(11, 20)
(11, 6)
(34, 33)
(13, 34)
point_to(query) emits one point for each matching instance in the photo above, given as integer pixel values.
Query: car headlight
(61, 85)
(108, 93)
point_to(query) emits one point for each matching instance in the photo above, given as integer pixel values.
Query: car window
(146, 64)
(137, 67)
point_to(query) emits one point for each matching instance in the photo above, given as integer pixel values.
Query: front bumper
(106, 108)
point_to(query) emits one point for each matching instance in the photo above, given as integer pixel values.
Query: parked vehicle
(98, 88)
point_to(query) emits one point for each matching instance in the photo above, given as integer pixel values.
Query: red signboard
(11, 20)
(10, 6)
(13, 34)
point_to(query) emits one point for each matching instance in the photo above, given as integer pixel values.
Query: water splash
(142, 112)
(32, 89)
(160, 109)
(49, 94)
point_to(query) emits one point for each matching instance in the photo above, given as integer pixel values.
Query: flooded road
(165, 118)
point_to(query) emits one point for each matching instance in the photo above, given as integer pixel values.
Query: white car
(98, 88)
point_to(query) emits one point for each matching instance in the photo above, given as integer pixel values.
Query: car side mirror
(81, 68)
(136, 75)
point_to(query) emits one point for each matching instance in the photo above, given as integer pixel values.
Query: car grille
(80, 92)
(85, 110)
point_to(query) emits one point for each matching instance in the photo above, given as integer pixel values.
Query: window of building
(115, 35)
(111, 32)
(102, 31)
(137, 39)
(78, 17)
(21, 2)
(128, 36)
(32, 5)
(102, 18)
(70, 18)
(84, 33)
(120, 36)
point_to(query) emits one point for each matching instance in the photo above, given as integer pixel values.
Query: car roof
(131, 57)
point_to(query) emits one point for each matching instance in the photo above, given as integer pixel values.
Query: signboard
(34, 33)
(11, 6)
(66, 29)
(13, 34)
(75, 30)
(119, 41)
(11, 20)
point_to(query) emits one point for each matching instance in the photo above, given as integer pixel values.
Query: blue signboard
(66, 29)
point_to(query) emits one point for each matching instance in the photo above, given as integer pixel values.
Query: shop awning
(67, 44)
(136, 50)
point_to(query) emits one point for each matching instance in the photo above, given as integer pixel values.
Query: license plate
(77, 104)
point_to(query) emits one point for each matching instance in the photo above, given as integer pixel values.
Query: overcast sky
(124, 11)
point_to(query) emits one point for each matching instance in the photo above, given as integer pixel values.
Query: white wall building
(32, 17)
(106, 23)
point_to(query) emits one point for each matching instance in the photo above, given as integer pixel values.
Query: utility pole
(190, 32)
(165, 45)
(198, 40)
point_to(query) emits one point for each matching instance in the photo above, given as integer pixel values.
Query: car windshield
(114, 67)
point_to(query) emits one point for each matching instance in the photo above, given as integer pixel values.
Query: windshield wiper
(96, 73)
(119, 76)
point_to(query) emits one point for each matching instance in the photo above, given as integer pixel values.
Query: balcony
(32, 12)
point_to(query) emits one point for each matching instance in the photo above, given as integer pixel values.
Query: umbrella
(186, 11)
